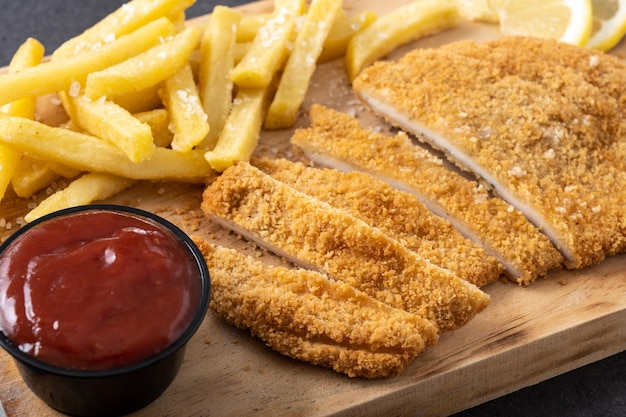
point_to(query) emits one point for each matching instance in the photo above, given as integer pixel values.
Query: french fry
(67, 73)
(84, 190)
(28, 55)
(145, 69)
(216, 64)
(88, 153)
(241, 133)
(269, 48)
(343, 29)
(402, 25)
(107, 120)
(62, 170)
(158, 120)
(179, 20)
(32, 175)
(139, 101)
(249, 26)
(128, 18)
(240, 50)
(188, 120)
(335, 45)
(294, 81)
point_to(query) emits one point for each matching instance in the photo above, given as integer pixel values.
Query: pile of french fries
(150, 96)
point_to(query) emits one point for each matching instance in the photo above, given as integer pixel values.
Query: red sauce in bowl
(96, 290)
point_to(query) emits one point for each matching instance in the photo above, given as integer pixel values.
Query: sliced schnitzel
(318, 236)
(337, 139)
(307, 316)
(546, 134)
(396, 213)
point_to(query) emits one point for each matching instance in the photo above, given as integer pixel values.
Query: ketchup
(96, 290)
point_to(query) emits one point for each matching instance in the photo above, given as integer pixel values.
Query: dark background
(598, 389)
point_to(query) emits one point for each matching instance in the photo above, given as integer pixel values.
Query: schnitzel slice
(337, 139)
(315, 235)
(589, 76)
(305, 315)
(604, 71)
(396, 213)
(544, 142)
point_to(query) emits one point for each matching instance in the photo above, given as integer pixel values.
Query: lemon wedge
(609, 24)
(566, 20)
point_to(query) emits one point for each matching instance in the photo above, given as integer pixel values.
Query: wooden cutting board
(527, 335)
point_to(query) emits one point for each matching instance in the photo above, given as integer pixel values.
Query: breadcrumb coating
(544, 133)
(307, 316)
(398, 214)
(338, 139)
(316, 235)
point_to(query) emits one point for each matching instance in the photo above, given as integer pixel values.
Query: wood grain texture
(527, 335)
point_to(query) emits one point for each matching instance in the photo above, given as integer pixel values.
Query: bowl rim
(181, 341)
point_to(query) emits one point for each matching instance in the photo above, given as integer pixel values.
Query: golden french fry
(269, 48)
(216, 64)
(9, 159)
(188, 120)
(128, 18)
(402, 25)
(249, 26)
(243, 126)
(139, 101)
(343, 29)
(294, 81)
(158, 120)
(179, 20)
(145, 69)
(32, 175)
(107, 120)
(69, 73)
(84, 190)
(88, 153)
(28, 55)
(240, 50)
(62, 170)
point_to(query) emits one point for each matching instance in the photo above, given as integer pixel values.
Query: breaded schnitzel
(396, 213)
(307, 316)
(547, 135)
(337, 139)
(315, 235)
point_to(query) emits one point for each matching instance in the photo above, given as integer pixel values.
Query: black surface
(598, 389)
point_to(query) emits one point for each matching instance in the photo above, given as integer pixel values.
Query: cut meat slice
(337, 140)
(543, 136)
(396, 213)
(307, 316)
(317, 236)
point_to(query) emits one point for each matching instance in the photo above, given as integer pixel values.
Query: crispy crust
(503, 232)
(317, 235)
(398, 214)
(547, 134)
(305, 315)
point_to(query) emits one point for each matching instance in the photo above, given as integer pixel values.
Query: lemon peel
(609, 24)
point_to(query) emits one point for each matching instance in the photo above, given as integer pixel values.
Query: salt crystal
(74, 89)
